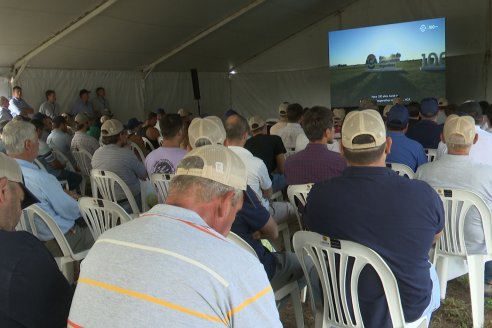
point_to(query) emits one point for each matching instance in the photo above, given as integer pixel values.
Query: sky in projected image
(410, 39)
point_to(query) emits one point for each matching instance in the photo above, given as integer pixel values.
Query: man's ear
(475, 139)
(4, 185)
(442, 138)
(389, 142)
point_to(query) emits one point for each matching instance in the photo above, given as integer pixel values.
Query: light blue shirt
(49, 109)
(59, 140)
(58, 204)
(405, 151)
(16, 105)
(5, 114)
(81, 107)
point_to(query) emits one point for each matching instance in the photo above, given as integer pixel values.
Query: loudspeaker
(196, 84)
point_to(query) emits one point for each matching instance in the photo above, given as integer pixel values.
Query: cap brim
(29, 197)
(250, 197)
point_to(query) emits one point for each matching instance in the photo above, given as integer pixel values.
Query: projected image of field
(352, 83)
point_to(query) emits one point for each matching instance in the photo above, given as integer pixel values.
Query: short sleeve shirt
(427, 133)
(164, 160)
(266, 147)
(406, 151)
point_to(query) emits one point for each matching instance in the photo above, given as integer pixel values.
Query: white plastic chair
(451, 246)
(290, 289)
(40, 165)
(68, 164)
(283, 228)
(101, 215)
(335, 312)
(135, 148)
(148, 144)
(64, 262)
(161, 185)
(105, 182)
(84, 161)
(402, 169)
(431, 154)
(297, 195)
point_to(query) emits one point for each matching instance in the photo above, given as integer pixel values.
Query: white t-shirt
(481, 152)
(289, 135)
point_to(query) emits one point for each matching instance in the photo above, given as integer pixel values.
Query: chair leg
(295, 296)
(67, 271)
(476, 267)
(441, 263)
(82, 186)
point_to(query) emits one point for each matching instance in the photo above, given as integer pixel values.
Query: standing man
(33, 291)
(100, 103)
(5, 114)
(50, 107)
(282, 119)
(83, 105)
(373, 206)
(189, 275)
(19, 106)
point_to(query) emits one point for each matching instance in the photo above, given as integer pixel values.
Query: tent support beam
(22, 62)
(149, 68)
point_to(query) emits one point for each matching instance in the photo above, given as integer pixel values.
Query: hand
(256, 235)
(72, 194)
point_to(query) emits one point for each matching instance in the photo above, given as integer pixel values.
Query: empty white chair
(148, 144)
(106, 183)
(290, 289)
(431, 154)
(451, 246)
(297, 195)
(101, 215)
(160, 181)
(34, 212)
(402, 169)
(335, 312)
(136, 149)
(84, 161)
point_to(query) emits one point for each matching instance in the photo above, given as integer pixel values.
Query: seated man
(270, 149)
(293, 128)
(33, 293)
(53, 164)
(315, 163)
(50, 107)
(237, 131)
(282, 119)
(165, 158)
(81, 140)
(132, 126)
(397, 217)
(59, 139)
(120, 160)
(83, 105)
(149, 131)
(21, 142)
(403, 149)
(5, 114)
(207, 281)
(427, 132)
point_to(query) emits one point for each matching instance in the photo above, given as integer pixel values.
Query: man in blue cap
(404, 150)
(427, 131)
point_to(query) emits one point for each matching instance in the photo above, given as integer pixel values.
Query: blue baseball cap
(132, 123)
(397, 117)
(429, 107)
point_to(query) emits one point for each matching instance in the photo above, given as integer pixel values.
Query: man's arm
(152, 133)
(280, 160)
(437, 237)
(268, 231)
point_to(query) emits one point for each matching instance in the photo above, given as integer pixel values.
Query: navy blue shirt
(427, 133)
(249, 219)
(405, 151)
(396, 217)
(33, 291)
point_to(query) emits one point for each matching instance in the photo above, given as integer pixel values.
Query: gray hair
(206, 189)
(201, 142)
(15, 134)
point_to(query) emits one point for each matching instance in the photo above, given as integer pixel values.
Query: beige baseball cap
(362, 122)
(210, 128)
(459, 130)
(256, 122)
(282, 109)
(220, 164)
(111, 127)
(442, 102)
(82, 118)
(183, 112)
(11, 170)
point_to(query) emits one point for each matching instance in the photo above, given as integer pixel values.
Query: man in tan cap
(282, 119)
(81, 140)
(174, 265)
(206, 131)
(121, 160)
(397, 217)
(457, 169)
(31, 285)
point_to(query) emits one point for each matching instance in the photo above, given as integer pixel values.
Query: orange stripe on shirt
(150, 299)
(73, 324)
(249, 301)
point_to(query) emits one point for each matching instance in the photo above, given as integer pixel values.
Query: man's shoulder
(20, 244)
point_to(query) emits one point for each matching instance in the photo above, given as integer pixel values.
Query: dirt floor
(455, 310)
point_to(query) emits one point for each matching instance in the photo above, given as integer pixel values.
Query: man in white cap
(31, 285)
(371, 205)
(457, 169)
(282, 119)
(173, 265)
(120, 160)
(81, 140)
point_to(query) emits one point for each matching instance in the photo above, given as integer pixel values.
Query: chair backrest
(332, 259)
(431, 154)
(106, 183)
(136, 149)
(148, 144)
(101, 215)
(34, 212)
(161, 185)
(59, 155)
(456, 204)
(297, 195)
(241, 243)
(402, 169)
(40, 165)
(83, 159)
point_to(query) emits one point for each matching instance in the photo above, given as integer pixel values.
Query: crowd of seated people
(225, 172)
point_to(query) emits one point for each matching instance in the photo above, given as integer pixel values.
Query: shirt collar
(177, 212)
(240, 150)
(24, 163)
(367, 170)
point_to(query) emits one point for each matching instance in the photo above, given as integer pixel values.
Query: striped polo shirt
(168, 268)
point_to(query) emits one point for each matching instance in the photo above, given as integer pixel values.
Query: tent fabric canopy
(278, 47)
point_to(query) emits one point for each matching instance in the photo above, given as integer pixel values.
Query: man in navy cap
(404, 150)
(427, 131)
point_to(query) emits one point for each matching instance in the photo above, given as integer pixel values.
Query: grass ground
(455, 310)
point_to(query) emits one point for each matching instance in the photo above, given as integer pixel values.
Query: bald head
(237, 129)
